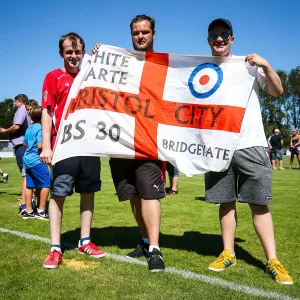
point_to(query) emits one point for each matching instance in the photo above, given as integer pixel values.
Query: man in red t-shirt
(83, 173)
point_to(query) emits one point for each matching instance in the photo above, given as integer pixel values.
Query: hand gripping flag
(179, 108)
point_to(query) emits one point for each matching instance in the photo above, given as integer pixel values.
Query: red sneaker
(53, 260)
(92, 250)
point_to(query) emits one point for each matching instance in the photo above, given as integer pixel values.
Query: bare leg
(55, 215)
(86, 211)
(227, 215)
(273, 163)
(136, 206)
(175, 183)
(291, 161)
(23, 190)
(43, 196)
(263, 225)
(151, 212)
(281, 164)
(28, 198)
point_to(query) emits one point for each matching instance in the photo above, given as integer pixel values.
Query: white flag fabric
(179, 108)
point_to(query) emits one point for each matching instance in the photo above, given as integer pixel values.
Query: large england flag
(179, 108)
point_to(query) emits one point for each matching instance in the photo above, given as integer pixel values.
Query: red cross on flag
(179, 108)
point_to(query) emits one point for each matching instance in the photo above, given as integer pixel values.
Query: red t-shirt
(56, 88)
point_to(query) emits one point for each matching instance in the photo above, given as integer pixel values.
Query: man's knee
(87, 196)
(259, 209)
(58, 199)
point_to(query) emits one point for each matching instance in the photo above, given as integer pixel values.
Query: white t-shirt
(252, 130)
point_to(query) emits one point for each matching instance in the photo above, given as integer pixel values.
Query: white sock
(151, 247)
(84, 241)
(40, 210)
(55, 247)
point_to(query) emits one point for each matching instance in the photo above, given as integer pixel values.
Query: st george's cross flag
(184, 109)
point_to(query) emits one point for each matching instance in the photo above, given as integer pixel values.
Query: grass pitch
(190, 240)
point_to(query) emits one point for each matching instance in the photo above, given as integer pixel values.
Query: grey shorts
(81, 173)
(248, 179)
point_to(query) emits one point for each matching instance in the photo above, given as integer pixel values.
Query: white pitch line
(183, 273)
(9, 189)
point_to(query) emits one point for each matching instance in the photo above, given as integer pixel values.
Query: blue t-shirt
(33, 136)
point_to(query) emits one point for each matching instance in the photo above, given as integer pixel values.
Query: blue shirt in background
(33, 136)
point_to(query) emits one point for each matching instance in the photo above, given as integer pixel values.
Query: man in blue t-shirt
(275, 144)
(37, 173)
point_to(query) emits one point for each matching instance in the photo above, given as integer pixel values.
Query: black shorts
(81, 172)
(138, 177)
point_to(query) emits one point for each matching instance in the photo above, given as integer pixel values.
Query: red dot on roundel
(204, 79)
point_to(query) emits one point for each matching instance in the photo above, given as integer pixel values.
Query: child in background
(28, 107)
(37, 173)
(33, 103)
(30, 104)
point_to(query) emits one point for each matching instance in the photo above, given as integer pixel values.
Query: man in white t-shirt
(249, 177)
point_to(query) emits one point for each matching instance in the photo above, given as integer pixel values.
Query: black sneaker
(22, 209)
(155, 261)
(42, 216)
(34, 207)
(141, 250)
(28, 215)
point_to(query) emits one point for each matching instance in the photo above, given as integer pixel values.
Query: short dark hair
(21, 97)
(140, 18)
(36, 114)
(33, 103)
(73, 37)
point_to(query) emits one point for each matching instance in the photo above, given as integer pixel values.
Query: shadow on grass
(128, 238)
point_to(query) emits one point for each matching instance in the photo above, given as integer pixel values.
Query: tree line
(281, 112)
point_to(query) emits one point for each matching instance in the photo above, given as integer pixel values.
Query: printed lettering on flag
(184, 109)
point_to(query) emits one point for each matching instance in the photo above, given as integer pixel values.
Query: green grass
(190, 239)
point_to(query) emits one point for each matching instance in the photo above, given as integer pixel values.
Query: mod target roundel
(205, 80)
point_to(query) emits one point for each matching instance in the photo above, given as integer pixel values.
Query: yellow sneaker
(224, 261)
(276, 270)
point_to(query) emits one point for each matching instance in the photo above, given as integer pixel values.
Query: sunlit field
(190, 240)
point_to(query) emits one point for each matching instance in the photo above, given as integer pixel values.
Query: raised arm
(274, 85)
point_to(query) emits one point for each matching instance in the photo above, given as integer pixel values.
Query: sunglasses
(223, 35)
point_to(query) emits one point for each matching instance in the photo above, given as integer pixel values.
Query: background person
(295, 147)
(173, 178)
(16, 133)
(4, 176)
(249, 176)
(275, 144)
(37, 173)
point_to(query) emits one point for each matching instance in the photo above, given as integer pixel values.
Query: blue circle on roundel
(214, 88)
